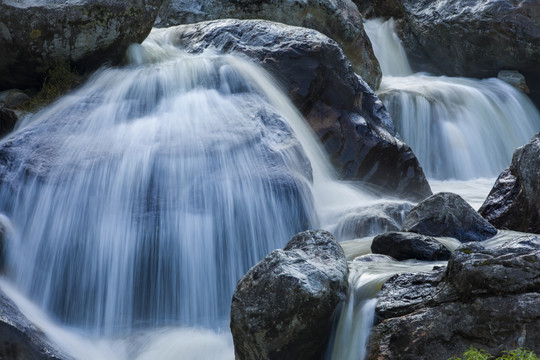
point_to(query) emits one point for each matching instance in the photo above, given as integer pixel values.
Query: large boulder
(441, 314)
(404, 246)
(283, 307)
(339, 20)
(345, 113)
(473, 38)
(447, 214)
(514, 201)
(36, 36)
(20, 339)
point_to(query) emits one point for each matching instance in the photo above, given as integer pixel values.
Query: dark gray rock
(514, 201)
(511, 269)
(9, 115)
(485, 298)
(283, 307)
(20, 339)
(404, 246)
(372, 220)
(369, 258)
(345, 113)
(447, 214)
(35, 36)
(339, 20)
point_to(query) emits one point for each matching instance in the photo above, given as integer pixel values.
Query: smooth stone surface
(447, 214)
(405, 246)
(514, 201)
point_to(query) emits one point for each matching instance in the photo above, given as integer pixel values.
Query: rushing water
(459, 128)
(139, 200)
(136, 203)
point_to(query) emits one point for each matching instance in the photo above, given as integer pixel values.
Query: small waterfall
(365, 280)
(459, 128)
(139, 200)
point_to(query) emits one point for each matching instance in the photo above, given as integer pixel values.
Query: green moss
(479, 354)
(465, 251)
(60, 78)
(35, 34)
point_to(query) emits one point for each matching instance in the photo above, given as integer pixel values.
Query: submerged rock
(486, 298)
(514, 201)
(404, 246)
(447, 214)
(35, 36)
(345, 113)
(339, 20)
(514, 78)
(283, 307)
(372, 220)
(20, 339)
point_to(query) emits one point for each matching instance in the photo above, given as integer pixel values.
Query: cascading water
(459, 128)
(139, 200)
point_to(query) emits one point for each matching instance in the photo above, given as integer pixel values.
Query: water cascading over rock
(141, 198)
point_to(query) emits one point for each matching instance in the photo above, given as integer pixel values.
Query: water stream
(137, 201)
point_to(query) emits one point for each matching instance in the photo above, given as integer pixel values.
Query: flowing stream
(136, 202)
(139, 200)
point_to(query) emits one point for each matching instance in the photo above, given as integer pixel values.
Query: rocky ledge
(486, 298)
(35, 36)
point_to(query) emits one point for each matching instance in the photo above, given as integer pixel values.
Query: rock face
(473, 38)
(339, 20)
(447, 214)
(283, 307)
(20, 339)
(404, 246)
(345, 113)
(9, 115)
(34, 36)
(514, 201)
(486, 298)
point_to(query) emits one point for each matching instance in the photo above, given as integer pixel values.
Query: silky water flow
(139, 200)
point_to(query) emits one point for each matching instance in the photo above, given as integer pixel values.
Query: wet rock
(9, 115)
(404, 246)
(486, 298)
(35, 36)
(345, 113)
(20, 339)
(514, 201)
(381, 8)
(514, 78)
(283, 307)
(339, 20)
(511, 269)
(372, 220)
(447, 214)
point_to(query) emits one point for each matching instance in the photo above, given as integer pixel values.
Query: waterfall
(139, 200)
(459, 128)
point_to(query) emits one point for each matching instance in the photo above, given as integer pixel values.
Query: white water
(167, 180)
(459, 128)
(139, 200)
(463, 132)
